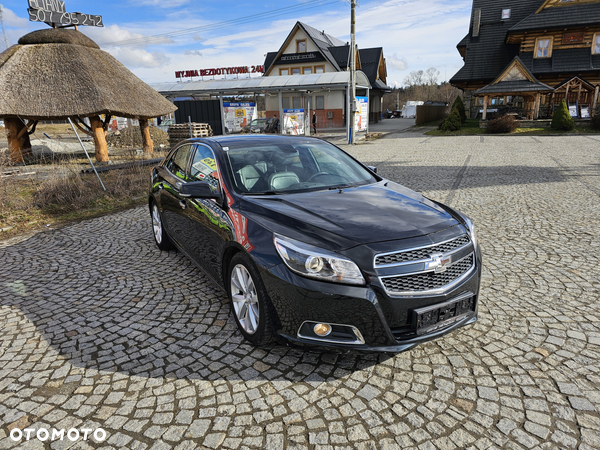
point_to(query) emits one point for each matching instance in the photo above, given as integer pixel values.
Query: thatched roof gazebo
(59, 73)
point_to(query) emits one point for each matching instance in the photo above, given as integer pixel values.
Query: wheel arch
(228, 255)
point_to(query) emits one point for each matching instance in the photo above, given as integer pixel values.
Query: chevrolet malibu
(312, 247)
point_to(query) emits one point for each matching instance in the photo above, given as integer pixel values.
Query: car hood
(377, 212)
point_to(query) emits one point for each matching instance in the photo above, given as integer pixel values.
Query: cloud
(192, 53)
(114, 34)
(396, 62)
(134, 58)
(13, 21)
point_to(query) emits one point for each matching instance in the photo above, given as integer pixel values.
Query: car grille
(427, 281)
(421, 253)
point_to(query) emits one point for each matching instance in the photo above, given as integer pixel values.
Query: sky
(156, 38)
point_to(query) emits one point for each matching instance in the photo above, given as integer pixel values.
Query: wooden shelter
(56, 74)
(515, 81)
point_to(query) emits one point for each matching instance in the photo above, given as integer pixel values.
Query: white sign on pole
(293, 121)
(362, 114)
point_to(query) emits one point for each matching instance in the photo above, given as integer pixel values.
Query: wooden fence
(430, 113)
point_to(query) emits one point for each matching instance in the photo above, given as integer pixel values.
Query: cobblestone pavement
(98, 328)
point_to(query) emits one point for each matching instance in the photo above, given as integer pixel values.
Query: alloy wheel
(157, 224)
(245, 299)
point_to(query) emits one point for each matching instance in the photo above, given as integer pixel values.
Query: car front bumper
(301, 302)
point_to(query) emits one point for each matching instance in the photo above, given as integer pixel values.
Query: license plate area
(431, 318)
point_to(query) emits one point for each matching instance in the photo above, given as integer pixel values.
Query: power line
(224, 24)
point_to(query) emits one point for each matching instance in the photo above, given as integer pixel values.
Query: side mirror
(372, 169)
(198, 189)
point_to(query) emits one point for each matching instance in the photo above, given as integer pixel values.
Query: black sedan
(313, 247)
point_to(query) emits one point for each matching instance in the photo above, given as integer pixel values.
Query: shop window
(284, 72)
(297, 103)
(301, 46)
(543, 47)
(320, 69)
(296, 71)
(285, 102)
(320, 102)
(307, 70)
(596, 44)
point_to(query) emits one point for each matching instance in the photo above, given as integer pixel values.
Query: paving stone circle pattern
(99, 329)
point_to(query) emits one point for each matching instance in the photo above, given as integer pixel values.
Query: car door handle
(183, 204)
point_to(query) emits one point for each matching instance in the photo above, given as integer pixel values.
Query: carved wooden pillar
(19, 145)
(147, 143)
(99, 135)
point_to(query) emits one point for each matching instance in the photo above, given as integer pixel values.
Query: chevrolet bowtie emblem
(438, 263)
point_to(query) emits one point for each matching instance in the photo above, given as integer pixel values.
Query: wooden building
(526, 56)
(307, 50)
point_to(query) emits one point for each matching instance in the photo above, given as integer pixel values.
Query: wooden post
(567, 94)
(536, 106)
(484, 115)
(147, 143)
(595, 102)
(99, 139)
(19, 145)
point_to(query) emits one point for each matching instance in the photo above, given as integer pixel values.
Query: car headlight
(470, 229)
(314, 262)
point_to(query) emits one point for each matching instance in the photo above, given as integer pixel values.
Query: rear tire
(161, 237)
(250, 304)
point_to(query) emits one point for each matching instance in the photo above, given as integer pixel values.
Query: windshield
(294, 167)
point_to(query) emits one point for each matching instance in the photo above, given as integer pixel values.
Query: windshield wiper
(264, 193)
(341, 187)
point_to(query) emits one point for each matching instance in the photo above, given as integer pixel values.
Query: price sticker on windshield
(210, 162)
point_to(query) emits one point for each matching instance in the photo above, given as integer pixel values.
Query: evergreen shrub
(458, 104)
(452, 122)
(561, 119)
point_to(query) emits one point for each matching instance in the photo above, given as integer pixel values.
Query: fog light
(322, 329)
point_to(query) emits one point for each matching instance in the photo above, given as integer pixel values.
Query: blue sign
(239, 105)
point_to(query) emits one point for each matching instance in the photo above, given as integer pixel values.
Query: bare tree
(414, 78)
(431, 76)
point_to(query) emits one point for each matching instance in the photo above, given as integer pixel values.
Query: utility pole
(353, 72)
(4, 37)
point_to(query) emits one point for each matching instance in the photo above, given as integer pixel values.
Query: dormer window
(301, 46)
(506, 14)
(596, 44)
(543, 47)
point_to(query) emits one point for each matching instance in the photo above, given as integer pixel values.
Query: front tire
(250, 303)
(161, 237)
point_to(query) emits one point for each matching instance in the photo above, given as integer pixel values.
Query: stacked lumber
(181, 131)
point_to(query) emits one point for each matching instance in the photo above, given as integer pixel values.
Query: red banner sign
(219, 71)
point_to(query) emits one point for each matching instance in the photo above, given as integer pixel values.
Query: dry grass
(57, 191)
